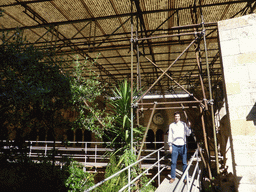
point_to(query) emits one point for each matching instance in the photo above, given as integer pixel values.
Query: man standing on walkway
(178, 131)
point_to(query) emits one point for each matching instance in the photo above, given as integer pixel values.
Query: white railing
(130, 182)
(45, 147)
(93, 151)
(79, 153)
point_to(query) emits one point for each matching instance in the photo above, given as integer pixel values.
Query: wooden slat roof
(102, 28)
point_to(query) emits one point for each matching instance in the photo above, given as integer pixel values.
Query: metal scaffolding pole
(206, 164)
(211, 100)
(165, 72)
(132, 41)
(145, 134)
(138, 73)
(206, 144)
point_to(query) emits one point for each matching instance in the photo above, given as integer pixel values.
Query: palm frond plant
(119, 136)
(120, 133)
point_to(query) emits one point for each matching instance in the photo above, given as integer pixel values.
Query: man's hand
(170, 149)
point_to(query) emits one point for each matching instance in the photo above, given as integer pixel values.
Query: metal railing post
(45, 150)
(188, 183)
(129, 179)
(130, 182)
(158, 158)
(30, 149)
(95, 159)
(85, 153)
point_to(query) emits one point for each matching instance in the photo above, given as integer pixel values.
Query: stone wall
(238, 49)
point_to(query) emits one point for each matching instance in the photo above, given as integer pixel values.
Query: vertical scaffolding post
(206, 144)
(132, 41)
(138, 71)
(211, 99)
(145, 134)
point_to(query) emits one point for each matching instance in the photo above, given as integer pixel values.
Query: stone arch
(33, 134)
(70, 135)
(159, 138)
(79, 136)
(42, 134)
(50, 135)
(150, 138)
(87, 136)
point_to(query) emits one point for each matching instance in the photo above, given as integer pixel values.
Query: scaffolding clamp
(133, 40)
(134, 105)
(201, 34)
(211, 102)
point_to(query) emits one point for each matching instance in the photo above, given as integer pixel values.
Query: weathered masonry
(238, 49)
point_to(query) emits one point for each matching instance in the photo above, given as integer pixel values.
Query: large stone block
(239, 112)
(242, 143)
(246, 187)
(252, 72)
(247, 87)
(247, 45)
(233, 88)
(225, 35)
(242, 127)
(237, 74)
(234, 23)
(246, 58)
(244, 32)
(229, 61)
(246, 173)
(230, 47)
(245, 157)
(253, 97)
(251, 19)
(236, 100)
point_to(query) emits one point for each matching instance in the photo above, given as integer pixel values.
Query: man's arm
(188, 128)
(170, 149)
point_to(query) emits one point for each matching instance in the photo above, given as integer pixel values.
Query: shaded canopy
(85, 28)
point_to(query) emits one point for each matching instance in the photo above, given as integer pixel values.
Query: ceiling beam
(24, 3)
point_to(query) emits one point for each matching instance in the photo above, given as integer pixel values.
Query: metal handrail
(179, 185)
(129, 170)
(45, 146)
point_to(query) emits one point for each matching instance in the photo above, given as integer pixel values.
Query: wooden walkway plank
(165, 186)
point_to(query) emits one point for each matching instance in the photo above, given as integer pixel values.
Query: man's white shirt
(177, 133)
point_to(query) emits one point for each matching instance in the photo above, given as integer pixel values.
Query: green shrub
(78, 180)
(30, 176)
(41, 177)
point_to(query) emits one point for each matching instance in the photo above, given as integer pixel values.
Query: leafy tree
(86, 91)
(32, 90)
(35, 90)
(78, 180)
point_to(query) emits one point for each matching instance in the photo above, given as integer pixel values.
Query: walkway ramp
(169, 187)
(165, 186)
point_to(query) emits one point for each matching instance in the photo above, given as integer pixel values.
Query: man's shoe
(171, 180)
